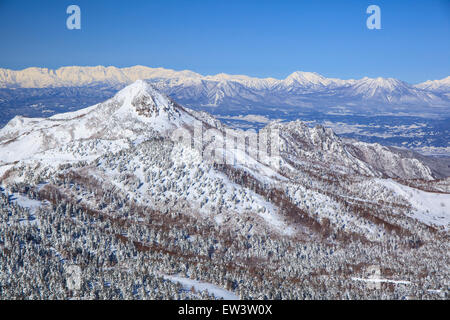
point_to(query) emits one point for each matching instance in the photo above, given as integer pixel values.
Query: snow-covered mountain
(329, 153)
(300, 89)
(139, 185)
(442, 85)
(389, 91)
(75, 76)
(139, 113)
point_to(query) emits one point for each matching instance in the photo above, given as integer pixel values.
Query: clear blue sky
(255, 37)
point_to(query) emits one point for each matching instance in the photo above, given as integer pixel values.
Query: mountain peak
(136, 88)
(305, 79)
(381, 83)
(146, 100)
(303, 75)
(442, 85)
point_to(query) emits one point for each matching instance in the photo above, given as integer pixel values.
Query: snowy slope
(200, 286)
(442, 85)
(429, 208)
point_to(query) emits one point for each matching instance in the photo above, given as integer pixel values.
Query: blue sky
(259, 38)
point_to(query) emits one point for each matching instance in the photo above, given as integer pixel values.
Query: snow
(382, 280)
(202, 286)
(429, 208)
(4, 168)
(249, 201)
(275, 221)
(26, 202)
(81, 76)
(248, 118)
(442, 85)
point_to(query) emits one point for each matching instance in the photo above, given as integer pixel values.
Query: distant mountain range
(302, 90)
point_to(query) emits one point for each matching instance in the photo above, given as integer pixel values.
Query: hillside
(139, 190)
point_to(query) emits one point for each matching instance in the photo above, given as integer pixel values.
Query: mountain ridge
(30, 77)
(140, 112)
